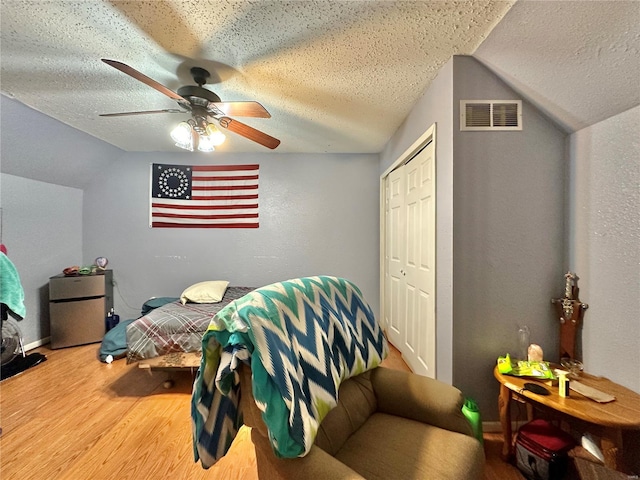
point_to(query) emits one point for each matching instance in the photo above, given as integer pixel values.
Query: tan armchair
(388, 424)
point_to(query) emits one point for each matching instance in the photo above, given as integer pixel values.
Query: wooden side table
(606, 420)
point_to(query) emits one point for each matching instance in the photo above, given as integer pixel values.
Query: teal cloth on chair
(11, 291)
(302, 337)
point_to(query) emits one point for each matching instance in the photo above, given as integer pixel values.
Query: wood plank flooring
(74, 418)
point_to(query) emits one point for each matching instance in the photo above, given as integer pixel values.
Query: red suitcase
(541, 450)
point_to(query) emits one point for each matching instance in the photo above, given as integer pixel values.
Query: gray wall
(38, 147)
(309, 227)
(318, 215)
(500, 219)
(42, 230)
(45, 167)
(435, 107)
(508, 235)
(604, 234)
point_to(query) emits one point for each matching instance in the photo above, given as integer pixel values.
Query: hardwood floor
(73, 418)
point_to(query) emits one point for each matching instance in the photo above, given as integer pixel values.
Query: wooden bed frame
(171, 363)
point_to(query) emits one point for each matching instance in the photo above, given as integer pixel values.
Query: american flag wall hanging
(204, 196)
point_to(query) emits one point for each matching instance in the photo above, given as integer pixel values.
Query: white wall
(604, 233)
(318, 215)
(42, 230)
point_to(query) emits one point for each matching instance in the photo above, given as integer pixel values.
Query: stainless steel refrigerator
(78, 306)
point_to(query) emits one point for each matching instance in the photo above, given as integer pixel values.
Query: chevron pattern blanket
(302, 338)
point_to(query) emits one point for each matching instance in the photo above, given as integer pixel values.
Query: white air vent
(491, 115)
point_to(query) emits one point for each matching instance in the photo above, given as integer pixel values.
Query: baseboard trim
(491, 427)
(495, 427)
(37, 343)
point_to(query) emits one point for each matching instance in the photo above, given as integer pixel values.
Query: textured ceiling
(336, 76)
(578, 61)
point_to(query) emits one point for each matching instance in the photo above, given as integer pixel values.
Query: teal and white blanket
(302, 338)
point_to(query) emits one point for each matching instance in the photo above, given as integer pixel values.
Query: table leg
(611, 446)
(504, 407)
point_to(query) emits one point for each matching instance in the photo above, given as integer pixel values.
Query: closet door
(395, 225)
(410, 260)
(419, 346)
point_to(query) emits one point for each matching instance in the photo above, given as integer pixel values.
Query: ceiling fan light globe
(186, 146)
(216, 136)
(205, 144)
(182, 134)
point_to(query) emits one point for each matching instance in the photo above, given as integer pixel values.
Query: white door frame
(428, 136)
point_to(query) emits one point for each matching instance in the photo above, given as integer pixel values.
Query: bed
(174, 327)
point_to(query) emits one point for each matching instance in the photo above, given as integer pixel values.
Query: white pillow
(205, 292)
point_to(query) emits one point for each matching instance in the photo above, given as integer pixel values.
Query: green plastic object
(472, 412)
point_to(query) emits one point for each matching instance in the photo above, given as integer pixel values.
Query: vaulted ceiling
(336, 76)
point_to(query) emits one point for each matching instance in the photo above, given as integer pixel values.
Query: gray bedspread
(175, 327)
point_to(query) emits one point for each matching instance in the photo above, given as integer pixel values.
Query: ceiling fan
(202, 104)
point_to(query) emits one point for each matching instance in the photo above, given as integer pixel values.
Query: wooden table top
(623, 412)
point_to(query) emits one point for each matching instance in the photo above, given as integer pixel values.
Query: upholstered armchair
(388, 424)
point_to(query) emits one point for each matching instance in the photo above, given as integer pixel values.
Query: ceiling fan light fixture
(185, 145)
(215, 136)
(205, 144)
(201, 103)
(182, 133)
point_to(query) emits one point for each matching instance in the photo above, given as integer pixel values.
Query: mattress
(175, 327)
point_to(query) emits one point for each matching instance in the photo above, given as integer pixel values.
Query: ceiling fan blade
(123, 114)
(249, 132)
(239, 109)
(132, 72)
